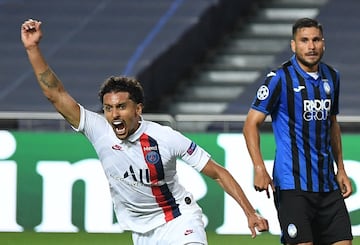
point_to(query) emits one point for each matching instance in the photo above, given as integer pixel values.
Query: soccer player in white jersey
(139, 157)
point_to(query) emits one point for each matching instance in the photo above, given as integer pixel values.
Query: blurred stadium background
(193, 57)
(200, 61)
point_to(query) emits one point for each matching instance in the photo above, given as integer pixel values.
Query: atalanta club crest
(327, 87)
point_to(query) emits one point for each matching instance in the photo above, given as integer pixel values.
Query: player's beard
(310, 64)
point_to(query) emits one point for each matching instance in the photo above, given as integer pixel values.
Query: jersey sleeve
(196, 156)
(268, 94)
(187, 150)
(91, 124)
(80, 128)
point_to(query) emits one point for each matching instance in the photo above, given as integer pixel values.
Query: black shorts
(321, 218)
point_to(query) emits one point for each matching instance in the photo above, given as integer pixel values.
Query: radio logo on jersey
(316, 109)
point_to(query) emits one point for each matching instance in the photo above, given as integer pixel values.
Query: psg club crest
(152, 157)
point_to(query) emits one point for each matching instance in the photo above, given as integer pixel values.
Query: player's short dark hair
(306, 22)
(122, 84)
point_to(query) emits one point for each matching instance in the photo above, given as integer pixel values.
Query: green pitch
(83, 238)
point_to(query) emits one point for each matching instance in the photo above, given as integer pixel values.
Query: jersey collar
(303, 73)
(136, 135)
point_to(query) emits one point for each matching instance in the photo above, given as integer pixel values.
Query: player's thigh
(187, 228)
(332, 223)
(295, 214)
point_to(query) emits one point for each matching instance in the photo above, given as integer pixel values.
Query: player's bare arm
(230, 186)
(51, 86)
(251, 131)
(341, 176)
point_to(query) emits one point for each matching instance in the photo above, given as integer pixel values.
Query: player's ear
(139, 108)
(292, 45)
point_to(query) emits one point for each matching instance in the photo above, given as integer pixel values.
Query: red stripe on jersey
(146, 148)
(162, 194)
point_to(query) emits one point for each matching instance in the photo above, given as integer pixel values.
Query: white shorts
(188, 228)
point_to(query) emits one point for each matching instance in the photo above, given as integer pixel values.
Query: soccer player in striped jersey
(302, 98)
(139, 157)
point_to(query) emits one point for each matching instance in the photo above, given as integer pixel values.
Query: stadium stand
(341, 21)
(162, 42)
(86, 41)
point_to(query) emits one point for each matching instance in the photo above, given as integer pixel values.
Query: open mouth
(119, 127)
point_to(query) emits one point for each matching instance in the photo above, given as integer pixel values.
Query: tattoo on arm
(48, 79)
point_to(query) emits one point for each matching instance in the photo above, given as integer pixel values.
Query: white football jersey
(141, 170)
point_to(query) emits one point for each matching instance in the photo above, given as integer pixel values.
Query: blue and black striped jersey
(300, 107)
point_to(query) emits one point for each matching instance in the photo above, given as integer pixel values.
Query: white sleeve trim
(82, 120)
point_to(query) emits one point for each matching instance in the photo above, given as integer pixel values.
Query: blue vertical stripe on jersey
(290, 98)
(301, 129)
(330, 75)
(306, 137)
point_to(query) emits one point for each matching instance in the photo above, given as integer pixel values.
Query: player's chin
(119, 135)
